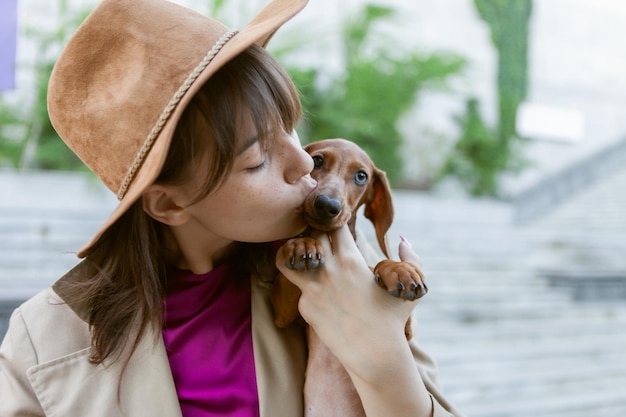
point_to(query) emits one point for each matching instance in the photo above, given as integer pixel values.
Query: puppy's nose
(327, 207)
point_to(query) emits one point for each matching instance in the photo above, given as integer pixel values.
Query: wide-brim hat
(125, 77)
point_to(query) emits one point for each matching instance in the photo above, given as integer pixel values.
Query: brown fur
(347, 179)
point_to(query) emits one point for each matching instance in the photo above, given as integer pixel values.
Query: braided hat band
(167, 111)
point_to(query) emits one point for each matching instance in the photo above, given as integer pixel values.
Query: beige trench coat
(45, 371)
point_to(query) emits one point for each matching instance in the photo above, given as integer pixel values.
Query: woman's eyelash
(258, 167)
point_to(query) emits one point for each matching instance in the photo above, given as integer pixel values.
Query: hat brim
(259, 31)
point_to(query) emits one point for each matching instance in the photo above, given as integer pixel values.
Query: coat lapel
(72, 386)
(68, 384)
(279, 357)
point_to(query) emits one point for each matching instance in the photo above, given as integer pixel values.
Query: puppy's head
(346, 180)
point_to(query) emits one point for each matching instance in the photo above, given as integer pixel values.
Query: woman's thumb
(406, 252)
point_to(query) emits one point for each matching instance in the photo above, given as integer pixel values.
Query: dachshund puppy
(347, 179)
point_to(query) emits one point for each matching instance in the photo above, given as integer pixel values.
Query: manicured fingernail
(406, 241)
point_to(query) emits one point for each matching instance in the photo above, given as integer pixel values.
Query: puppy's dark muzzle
(327, 207)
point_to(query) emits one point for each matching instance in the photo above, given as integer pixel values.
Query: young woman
(192, 126)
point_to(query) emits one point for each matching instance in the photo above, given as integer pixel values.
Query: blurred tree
(364, 104)
(508, 21)
(478, 156)
(481, 154)
(376, 88)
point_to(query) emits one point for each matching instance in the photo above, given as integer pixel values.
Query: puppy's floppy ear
(379, 208)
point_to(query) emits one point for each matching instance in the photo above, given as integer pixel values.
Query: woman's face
(261, 199)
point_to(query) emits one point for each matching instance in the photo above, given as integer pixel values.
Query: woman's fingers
(336, 240)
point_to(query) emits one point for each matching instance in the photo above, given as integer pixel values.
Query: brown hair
(129, 287)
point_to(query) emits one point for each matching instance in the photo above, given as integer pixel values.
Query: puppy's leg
(305, 253)
(328, 389)
(285, 297)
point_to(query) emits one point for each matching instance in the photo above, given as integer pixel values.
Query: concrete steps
(508, 341)
(44, 219)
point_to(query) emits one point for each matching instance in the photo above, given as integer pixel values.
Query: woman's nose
(299, 162)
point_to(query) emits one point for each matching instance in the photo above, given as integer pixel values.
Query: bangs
(268, 97)
(252, 87)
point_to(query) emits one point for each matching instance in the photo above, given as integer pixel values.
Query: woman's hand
(361, 324)
(341, 300)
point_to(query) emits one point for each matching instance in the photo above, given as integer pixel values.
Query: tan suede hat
(125, 77)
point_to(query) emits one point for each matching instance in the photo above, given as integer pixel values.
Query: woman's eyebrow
(246, 144)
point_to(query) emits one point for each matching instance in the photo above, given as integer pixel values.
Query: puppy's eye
(318, 161)
(360, 178)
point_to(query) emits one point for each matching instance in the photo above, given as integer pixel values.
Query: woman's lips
(312, 187)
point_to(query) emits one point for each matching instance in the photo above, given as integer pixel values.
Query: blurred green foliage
(27, 138)
(482, 153)
(363, 102)
(508, 22)
(375, 89)
(478, 156)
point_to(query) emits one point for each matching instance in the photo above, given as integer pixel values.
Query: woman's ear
(160, 203)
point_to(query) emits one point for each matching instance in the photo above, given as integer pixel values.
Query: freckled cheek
(251, 206)
(266, 207)
(252, 196)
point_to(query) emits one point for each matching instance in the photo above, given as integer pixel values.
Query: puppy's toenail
(421, 291)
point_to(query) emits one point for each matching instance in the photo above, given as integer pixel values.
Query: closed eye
(259, 166)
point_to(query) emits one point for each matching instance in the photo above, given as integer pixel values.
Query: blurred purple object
(8, 40)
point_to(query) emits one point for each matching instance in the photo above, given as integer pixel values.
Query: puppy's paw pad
(401, 279)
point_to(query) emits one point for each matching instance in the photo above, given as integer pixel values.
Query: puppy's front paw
(306, 253)
(401, 279)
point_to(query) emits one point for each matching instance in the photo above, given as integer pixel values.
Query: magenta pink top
(208, 338)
